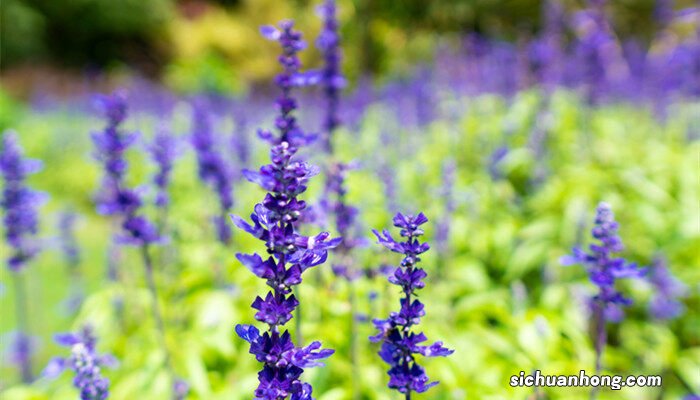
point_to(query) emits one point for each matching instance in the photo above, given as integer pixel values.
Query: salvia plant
(604, 270)
(399, 344)
(212, 167)
(332, 79)
(290, 254)
(163, 151)
(85, 362)
(21, 222)
(137, 229)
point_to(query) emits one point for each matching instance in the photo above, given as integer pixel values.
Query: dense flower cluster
(603, 268)
(332, 79)
(666, 302)
(212, 167)
(85, 362)
(399, 344)
(290, 254)
(18, 202)
(114, 198)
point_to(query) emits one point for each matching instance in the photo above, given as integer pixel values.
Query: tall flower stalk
(332, 80)
(274, 222)
(604, 269)
(125, 203)
(212, 168)
(399, 344)
(21, 222)
(163, 151)
(85, 362)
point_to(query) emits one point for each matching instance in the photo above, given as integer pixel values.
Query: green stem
(157, 316)
(353, 343)
(21, 310)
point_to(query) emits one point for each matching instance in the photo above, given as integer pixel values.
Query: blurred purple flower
(85, 362)
(212, 167)
(163, 151)
(665, 304)
(18, 202)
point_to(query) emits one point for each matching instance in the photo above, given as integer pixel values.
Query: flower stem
(157, 316)
(600, 340)
(353, 343)
(23, 327)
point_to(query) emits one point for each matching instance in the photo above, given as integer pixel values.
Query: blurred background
(193, 45)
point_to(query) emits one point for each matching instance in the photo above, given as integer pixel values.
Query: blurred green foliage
(502, 300)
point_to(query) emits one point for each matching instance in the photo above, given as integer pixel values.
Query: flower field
(135, 269)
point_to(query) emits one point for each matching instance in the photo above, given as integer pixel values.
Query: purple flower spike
(19, 202)
(328, 42)
(274, 222)
(212, 168)
(163, 151)
(85, 362)
(399, 344)
(604, 270)
(666, 302)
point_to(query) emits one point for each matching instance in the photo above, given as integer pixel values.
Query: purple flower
(274, 222)
(19, 202)
(110, 145)
(85, 362)
(328, 42)
(163, 151)
(604, 270)
(20, 351)
(180, 389)
(399, 345)
(212, 168)
(345, 216)
(114, 198)
(665, 304)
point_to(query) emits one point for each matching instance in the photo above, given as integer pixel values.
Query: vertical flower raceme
(399, 344)
(85, 362)
(290, 254)
(665, 304)
(114, 197)
(19, 204)
(332, 79)
(345, 217)
(110, 145)
(117, 199)
(212, 167)
(604, 269)
(163, 151)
